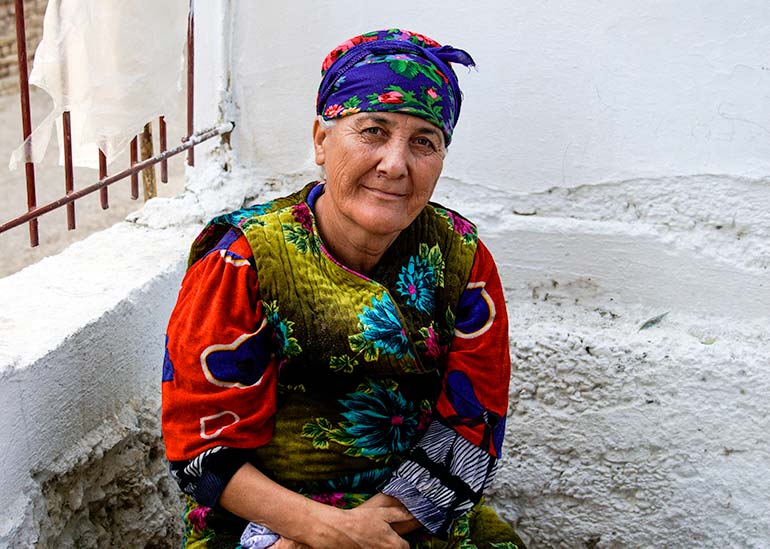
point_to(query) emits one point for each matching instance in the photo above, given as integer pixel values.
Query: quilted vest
(360, 357)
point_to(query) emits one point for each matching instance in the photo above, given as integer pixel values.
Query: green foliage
(359, 344)
(435, 260)
(654, 321)
(407, 69)
(343, 364)
(303, 239)
(352, 102)
(316, 432)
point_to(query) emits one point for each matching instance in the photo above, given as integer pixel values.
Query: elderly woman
(337, 365)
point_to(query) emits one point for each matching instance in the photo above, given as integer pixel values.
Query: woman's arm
(448, 470)
(252, 495)
(214, 409)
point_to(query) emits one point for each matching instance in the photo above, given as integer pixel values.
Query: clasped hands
(376, 524)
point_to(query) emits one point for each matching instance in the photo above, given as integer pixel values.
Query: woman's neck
(351, 245)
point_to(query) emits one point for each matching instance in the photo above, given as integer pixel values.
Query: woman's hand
(401, 527)
(304, 522)
(360, 528)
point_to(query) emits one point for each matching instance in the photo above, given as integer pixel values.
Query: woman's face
(381, 169)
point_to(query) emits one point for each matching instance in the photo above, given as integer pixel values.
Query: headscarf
(393, 71)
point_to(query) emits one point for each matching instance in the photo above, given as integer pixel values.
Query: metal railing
(136, 166)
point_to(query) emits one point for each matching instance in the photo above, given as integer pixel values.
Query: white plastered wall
(615, 157)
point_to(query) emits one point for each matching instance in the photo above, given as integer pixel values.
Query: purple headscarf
(393, 71)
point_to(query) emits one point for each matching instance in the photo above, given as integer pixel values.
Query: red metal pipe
(69, 177)
(134, 175)
(163, 147)
(138, 167)
(103, 196)
(190, 81)
(26, 118)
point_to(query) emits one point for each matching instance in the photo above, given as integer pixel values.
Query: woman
(337, 365)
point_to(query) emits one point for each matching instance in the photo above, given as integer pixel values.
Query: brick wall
(34, 10)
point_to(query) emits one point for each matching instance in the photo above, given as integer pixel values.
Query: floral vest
(360, 358)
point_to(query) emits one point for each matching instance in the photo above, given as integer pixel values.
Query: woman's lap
(481, 528)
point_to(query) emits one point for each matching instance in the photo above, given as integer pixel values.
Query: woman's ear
(319, 139)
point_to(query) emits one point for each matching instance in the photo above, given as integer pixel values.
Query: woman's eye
(425, 142)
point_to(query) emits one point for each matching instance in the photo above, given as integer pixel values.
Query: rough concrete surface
(718, 216)
(618, 437)
(111, 489)
(621, 437)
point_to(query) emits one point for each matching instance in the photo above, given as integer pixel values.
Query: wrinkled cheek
(337, 178)
(425, 194)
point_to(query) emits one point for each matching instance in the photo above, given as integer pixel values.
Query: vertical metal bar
(163, 148)
(190, 81)
(134, 177)
(69, 178)
(150, 189)
(103, 196)
(26, 118)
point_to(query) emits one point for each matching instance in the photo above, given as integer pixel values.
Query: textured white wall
(615, 159)
(618, 437)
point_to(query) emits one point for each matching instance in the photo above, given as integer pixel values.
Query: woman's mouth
(385, 194)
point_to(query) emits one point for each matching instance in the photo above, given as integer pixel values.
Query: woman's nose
(393, 162)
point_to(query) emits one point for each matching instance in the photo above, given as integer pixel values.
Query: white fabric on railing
(115, 65)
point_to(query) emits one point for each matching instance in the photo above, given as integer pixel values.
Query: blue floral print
(381, 330)
(379, 422)
(282, 330)
(417, 284)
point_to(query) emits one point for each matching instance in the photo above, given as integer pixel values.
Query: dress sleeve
(219, 378)
(448, 470)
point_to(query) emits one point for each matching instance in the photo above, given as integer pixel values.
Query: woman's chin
(384, 220)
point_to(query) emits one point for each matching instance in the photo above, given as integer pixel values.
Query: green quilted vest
(359, 357)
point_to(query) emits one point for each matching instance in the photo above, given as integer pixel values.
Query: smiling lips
(387, 195)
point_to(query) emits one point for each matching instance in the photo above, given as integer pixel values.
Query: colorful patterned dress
(334, 384)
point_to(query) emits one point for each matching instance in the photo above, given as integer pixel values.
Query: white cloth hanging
(115, 65)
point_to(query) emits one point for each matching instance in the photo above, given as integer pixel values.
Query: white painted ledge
(81, 340)
(49, 301)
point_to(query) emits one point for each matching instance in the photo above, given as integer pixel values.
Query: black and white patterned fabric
(444, 476)
(205, 477)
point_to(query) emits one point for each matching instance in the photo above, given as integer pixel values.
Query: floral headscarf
(393, 71)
